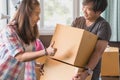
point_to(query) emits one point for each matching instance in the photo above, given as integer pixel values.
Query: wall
(46, 39)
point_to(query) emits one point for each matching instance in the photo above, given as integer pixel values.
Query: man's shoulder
(101, 20)
(80, 18)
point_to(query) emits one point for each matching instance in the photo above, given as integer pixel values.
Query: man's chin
(86, 17)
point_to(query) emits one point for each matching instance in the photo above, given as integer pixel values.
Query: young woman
(17, 43)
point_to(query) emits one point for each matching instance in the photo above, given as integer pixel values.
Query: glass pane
(57, 11)
(3, 12)
(81, 13)
(13, 5)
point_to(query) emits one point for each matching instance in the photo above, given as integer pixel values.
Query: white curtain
(112, 15)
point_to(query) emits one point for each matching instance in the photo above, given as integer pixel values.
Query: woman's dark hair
(22, 18)
(98, 5)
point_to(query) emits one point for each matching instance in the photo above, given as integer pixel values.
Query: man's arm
(99, 49)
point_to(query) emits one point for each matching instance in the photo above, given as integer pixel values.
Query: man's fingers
(52, 43)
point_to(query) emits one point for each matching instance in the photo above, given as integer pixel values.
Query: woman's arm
(28, 56)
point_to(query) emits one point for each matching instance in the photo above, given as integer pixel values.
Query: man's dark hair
(98, 5)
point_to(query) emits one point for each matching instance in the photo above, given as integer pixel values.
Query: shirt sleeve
(104, 32)
(76, 22)
(38, 45)
(73, 23)
(13, 43)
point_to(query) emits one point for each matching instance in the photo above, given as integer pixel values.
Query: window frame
(42, 29)
(50, 31)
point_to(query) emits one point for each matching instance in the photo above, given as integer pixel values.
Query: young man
(93, 22)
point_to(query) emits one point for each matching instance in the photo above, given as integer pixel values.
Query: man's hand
(81, 75)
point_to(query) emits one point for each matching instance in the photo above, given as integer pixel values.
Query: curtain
(112, 15)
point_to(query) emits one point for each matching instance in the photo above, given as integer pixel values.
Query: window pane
(3, 11)
(57, 11)
(81, 13)
(12, 8)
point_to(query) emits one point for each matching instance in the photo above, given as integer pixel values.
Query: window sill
(47, 31)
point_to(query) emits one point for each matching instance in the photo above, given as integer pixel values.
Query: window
(12, 7)
(52, 12)
(55, 12)
(3, 11)
(80, 7)
(58, 12)
(62, 12)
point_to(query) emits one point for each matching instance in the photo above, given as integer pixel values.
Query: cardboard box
(110, 62)
(55, 70)
(110, 78)
(74, 45)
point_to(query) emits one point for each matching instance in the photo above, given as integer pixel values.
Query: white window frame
(50, 31)
(44, 30)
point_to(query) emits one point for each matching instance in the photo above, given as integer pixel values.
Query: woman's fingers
(51, 51)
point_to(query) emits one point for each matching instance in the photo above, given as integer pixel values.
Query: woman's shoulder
(12, 26)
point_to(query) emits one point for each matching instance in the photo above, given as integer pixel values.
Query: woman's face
(35, 16)
(88, 11)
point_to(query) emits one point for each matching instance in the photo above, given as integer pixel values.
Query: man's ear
(98, 12)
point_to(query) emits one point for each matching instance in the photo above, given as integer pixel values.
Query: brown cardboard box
(110, 62)
(110, 78)
(55, 70)
(73, 45)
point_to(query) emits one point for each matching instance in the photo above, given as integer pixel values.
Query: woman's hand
(80, 76)
(50, 50)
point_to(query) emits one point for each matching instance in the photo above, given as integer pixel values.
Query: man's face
(88, 12)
